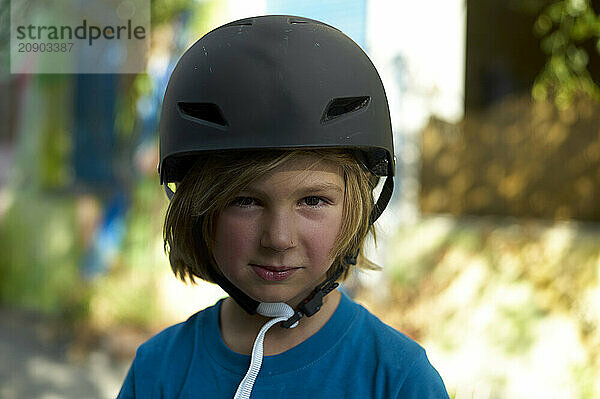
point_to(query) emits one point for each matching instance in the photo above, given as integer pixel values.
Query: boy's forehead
(307, 163)
(304, 172)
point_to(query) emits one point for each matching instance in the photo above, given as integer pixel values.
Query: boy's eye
(313, 201)
(243, 201)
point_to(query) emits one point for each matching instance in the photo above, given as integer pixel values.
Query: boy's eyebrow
(313, 188)
(321, 187)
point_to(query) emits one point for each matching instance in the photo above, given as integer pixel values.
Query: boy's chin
(275, 296)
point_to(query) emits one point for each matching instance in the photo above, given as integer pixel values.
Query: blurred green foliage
(564, 28)
(39, 220)
(127, 294)
(165, 11)
(42, 252)
(39, 264)
(506, 307)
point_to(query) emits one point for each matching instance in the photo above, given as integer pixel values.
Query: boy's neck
(239, 329)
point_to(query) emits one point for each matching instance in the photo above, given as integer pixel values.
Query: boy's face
(274, 240)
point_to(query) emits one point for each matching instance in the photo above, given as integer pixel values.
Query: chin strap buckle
(312, 304)
(292, 320)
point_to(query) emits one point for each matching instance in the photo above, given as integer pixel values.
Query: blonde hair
(215, 179)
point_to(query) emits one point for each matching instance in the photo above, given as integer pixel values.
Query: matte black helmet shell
(274, 82)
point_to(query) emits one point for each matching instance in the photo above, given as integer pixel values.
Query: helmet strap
(247, 303)
(312, 303)
(384, 199)
(168, 191)
(308, 307)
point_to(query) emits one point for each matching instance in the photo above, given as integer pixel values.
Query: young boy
(275, 131)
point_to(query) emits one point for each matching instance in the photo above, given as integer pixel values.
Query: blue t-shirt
(354, 355)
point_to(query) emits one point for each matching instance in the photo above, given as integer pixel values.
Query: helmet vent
(206, 112)
(344, 105)
(297, 21)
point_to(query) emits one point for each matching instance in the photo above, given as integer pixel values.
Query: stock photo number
(45, 47)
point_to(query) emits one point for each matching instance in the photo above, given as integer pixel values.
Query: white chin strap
(280, 312)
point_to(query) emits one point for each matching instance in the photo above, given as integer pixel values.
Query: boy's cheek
(233, 242)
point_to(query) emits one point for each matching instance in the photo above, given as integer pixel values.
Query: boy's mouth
(274, 273)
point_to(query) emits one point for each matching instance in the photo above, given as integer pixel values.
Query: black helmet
(275, 82)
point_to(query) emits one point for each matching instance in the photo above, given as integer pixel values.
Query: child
(275, 130)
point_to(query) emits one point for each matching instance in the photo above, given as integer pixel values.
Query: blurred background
(490, 248)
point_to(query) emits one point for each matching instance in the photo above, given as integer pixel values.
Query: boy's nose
(278, 232)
